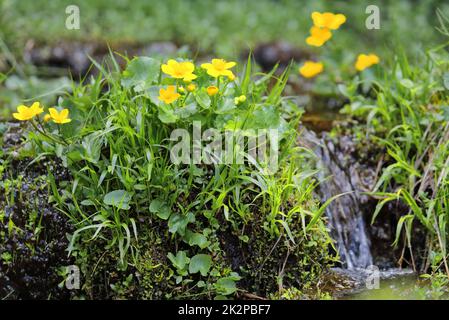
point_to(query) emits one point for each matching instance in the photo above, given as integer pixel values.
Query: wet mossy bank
(33, 233)
(35, 238)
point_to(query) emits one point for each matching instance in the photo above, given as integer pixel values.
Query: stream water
(339, 174)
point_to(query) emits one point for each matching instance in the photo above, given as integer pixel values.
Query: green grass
(406, 112)
(125, 187)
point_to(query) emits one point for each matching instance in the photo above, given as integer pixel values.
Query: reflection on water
(408, 287)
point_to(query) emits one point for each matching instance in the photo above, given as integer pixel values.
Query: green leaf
(141, 73)
(203, 99)
(179, 261)
(87, 203)
(225, 286)
(160, 208)
(118, 198)
(200, 263)
(167, 115)
(178, 223)
(225, 106)
(446, 80)
(198, 239)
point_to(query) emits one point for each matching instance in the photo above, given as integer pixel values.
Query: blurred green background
(221, 27)
(199, 28)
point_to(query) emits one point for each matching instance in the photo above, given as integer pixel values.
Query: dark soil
(33, 234)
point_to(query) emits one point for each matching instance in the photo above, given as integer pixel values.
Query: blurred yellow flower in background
(179, 70)
(328, 20)
(168, 95)
(365, 61)
(310, 69)
(212, 90)
(318, 36)
(59, 117)
(25, 113)
(219, 67)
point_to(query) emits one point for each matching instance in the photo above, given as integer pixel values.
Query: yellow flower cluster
(320, 33)
(185, 71)
(323, 23)
(25, 113)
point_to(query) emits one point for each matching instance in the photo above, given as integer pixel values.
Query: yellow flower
(219, 67)
(240, 99)
(191, 87)
(25, 113)
(179, 70)
(328, 20)
(231, 77)
(47, 117)
(318, 36)
(168, 95)
(310, 69)
(212, 90)
(59, 117)
(365, 61)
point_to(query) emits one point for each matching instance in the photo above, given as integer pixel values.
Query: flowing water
(345, 216)
(340, 174)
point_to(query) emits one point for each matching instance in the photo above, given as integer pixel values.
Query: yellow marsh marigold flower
(231, 77)
(365, 61)
(59, 117)
(25, 113)
(191, 87)
(318, 36)
(219, 67)
(168, 95)
(47, 117)
(310, 69)
(212, 90)
(328, 20)
(179, 70)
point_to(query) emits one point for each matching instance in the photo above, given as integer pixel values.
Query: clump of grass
(116, 139)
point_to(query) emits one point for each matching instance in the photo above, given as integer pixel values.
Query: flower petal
(53, 113)
(230, 64)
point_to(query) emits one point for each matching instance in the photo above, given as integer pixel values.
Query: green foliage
(406, 112)
(117, 148)
(220, 26)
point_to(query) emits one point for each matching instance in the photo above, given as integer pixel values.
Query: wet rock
(70, 55)
(12, 134)
(267, 55)
(163, 48)
(351, 168)
(74, 56)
